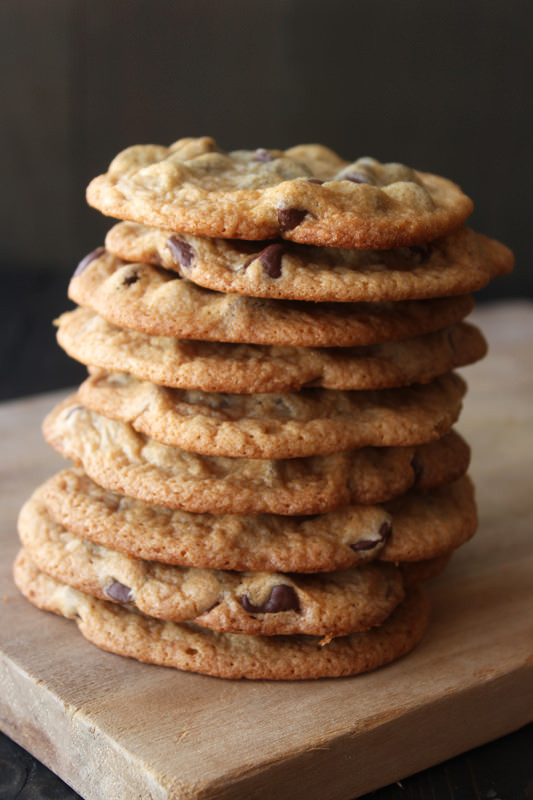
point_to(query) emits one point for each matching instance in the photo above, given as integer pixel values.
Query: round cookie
(262, 603)
(305, 423)
(247, 369)
(307, 194)
(130, 463)
(459, 263)
(340, 539)
(156, 301)
(188, 647)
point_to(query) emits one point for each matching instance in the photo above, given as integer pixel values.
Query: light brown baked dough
(461, 262)
(130, 463)
(262, 603)
(427, 525)
(247, 369)
(430, 524)
(307, 194)
(189, 647)
(156, 301)
(306, 423)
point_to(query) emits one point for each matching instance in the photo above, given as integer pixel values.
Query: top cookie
(307, 194)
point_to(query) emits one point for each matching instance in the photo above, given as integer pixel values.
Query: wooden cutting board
(118, 730)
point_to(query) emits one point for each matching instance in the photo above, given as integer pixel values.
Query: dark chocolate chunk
(262, 155)
(270, 258)
(369, 544)
(119, 592)
(84, 263)
(281, 598)
(181, 251)
(290, 218)
(133, 277)
(385, 531)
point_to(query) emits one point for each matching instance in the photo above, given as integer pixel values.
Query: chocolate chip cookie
(426, 524)
(235, 368)
(122, 460)
(306, 423)
(157, 302)
(262, 603)
(307, 194)
(187, 646)
(459, 263)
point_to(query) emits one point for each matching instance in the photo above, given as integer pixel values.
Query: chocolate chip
(270, 258)
(84, 263)
(417, 467)
(181, 251)
(262, 155)
(364, 544)
(369, 544)
(290, 218)
(355, 177)
(281, 598)
(385, 531)
(315, 180)
(133, 277)
(119, 592)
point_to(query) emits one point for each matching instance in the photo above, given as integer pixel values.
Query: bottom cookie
(194, 649)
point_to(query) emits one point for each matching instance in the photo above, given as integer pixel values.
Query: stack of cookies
(265, 467)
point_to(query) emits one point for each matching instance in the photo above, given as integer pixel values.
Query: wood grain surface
(115, 729)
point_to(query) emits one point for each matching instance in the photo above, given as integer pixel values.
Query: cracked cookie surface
(130, 463)
(427, 525)
(246, 369)
(262, 603)
(307, 194)
(306, 423)
(156, 301)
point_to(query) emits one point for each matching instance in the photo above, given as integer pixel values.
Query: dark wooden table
(31, 363)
